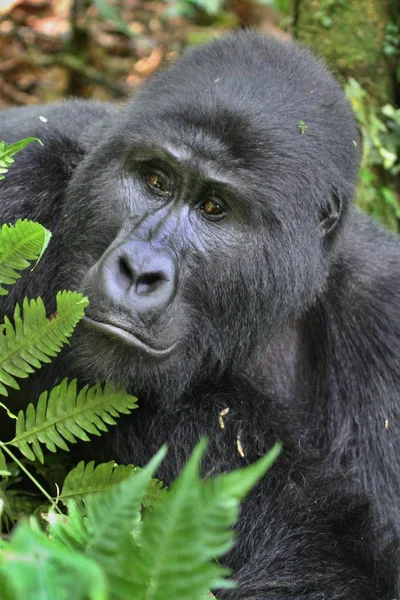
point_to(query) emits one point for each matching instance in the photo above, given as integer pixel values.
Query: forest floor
(52, 49)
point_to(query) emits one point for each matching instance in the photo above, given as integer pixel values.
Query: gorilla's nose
(139, 277)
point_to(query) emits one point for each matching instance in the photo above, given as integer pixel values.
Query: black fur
(285, 310)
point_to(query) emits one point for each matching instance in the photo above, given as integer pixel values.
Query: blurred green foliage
(380, 165)
(217, 9)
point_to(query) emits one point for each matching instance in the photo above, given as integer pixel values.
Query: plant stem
(31, 477)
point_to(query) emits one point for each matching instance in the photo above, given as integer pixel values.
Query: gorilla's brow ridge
(185, 156)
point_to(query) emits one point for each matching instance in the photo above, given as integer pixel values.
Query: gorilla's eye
(212, 209)
(159, 183)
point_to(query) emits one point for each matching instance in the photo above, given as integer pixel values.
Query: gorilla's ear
(330, 213)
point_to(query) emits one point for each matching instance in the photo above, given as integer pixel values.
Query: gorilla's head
(208, 213)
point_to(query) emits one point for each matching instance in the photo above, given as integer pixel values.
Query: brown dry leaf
(133, 79)
(6, 5)
(53, 26)
(222, 414)
(147, 65)
(239, 446)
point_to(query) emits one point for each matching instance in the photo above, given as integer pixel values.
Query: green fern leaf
(67, 416)
(33, 567)
(4, 472)
(34, 339)
(172, 535)
(85, 480)
(20, 243)
(8, 150)
(70, 531)
(220, 497)
(189, 528)
(155, 492)
(112, 516)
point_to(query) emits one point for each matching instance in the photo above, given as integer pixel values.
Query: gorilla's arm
(351, 350)
(342, 359)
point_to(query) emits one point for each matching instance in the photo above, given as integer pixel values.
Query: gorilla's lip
(129, 338)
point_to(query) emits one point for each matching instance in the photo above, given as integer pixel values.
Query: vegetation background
(104, 49)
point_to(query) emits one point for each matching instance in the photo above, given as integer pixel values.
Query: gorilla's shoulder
(67, 130)
(369, 247)
(366, 271)
(71, 119)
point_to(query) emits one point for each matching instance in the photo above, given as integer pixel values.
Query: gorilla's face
(198, 230)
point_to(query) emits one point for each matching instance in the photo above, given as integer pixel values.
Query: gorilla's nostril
(148, 282)
(125, 268)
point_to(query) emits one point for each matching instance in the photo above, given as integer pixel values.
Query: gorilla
(235, 290)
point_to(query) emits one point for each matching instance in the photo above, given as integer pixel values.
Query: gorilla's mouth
(122, 335)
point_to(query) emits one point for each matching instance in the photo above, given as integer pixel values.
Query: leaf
(173, 535)
(113, 514)
(8, 411)
(110, 13)
(190, 527)
(8, 150)
(220, 497)
(20, 243)
(111, 517)
(34, 567)
(85, 480)
(4, 472)
(238, 483)
(69, 530)
(34, 339)
(67, 416)
(154, 493)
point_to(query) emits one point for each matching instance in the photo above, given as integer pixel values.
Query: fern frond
(20, 243)
(112, 516)
(65, 416)
(34, 339)
(173, 535)
(4, 472)
(8, 150)
(71, 531)
(33, 567)
(220, 497)
(154, 493)
(85, 480)
(189, 528)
